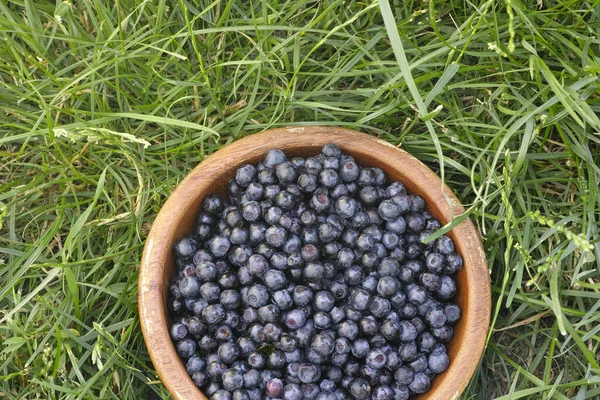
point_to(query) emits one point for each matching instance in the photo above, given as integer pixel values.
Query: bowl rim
(151, 290)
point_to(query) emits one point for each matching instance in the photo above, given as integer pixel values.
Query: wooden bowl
(177, 216)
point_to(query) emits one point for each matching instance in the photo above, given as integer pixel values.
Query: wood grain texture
(176, 218)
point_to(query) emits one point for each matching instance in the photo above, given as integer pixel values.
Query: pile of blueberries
(313, 281)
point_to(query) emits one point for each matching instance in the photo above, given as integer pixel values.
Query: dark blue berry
(274, 157)
(245, 175)
(420, 383)
(178, 331)
(286, 172)
(189, 287)
(438, 362)
(359, 389)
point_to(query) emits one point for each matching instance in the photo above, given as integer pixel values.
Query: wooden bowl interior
(185, 203)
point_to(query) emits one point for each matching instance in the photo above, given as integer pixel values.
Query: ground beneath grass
(105, 106)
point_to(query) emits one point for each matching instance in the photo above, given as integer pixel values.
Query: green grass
(105, 107)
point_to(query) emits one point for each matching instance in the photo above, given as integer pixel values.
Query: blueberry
(274, 157)
(245, 175)
(387, 286)
(408, 332)
(292, 391)
(359, 220)
(294, 356)
(452, 312)
(404, 375)
(310, 391)
(178, 331)
(353, 275)
(408, 352)
(388, 210)
(401, 392)
(228, 352)
(408, 311)
(337, 314)
(444, 245)
(390, 329)
(189, 287)
(327, 232)
(251, 211)
(295, 319)
(283, 299)
(369, 195)
(369, 326)
(360, 348)
(314, 272)
(292, 244)
(245, 346)
(369, 283)
(389, 267)
(239, 255)
(199, 378)
(195, 364)
(322, 320)
(207, 343)
(308, 373)
(308, 183)
(275, 236)
(276, 360)
(232, 218)
(258, 295)
(346, 206)
(274, 388)
(380, 307)
(286, 200)
(213, 314)
(383, 392)
(210, 291)
(430, 281)
(215, 370)
(331, 150)
(195, 327)
(353, 314)
(420, 383)
(420, 364)
(221, 394)
(454, 263)
(185, 247)
(436, 318)
(228, 280)
(257, 233)
(447, 288)
(257, 360)
(416, 294)
(360, 299)
(393, 361)
(347, 329)
(232, 380)
(219, 246)
(268, 313)
(240, 394)
(206, 271)
(349, 237)
(331, 250)
(444, 334)
(365, 243)
(359, 389)
(275, 279)
(286, 172)
(323, 301)
(349, 171)
(426, 342)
